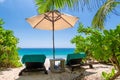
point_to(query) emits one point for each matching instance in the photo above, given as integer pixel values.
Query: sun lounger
(75, 60)
(33, 63)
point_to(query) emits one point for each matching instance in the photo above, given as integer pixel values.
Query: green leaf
(113, 72)
(1, 22)
(104, 74)
(106, 32)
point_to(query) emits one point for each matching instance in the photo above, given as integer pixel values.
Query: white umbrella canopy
(52, 20)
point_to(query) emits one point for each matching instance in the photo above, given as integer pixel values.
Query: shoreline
(59, 52)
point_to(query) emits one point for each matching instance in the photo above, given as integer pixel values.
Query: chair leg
(20, 74)
(72, 68)
(91, 66)
(45, 70)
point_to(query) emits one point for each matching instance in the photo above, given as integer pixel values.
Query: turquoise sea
(59, 52)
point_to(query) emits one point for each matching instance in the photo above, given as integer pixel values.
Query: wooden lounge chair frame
(33, 66)
(33, 62)
(74, 63)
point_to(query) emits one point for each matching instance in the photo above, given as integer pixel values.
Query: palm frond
(47, 5)
(44, 5)
(105, 9)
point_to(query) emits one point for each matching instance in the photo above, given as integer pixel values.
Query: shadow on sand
(67, 75)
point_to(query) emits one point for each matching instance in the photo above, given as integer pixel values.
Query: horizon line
(45, 47)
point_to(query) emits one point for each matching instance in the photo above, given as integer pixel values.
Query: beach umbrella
(52, 20)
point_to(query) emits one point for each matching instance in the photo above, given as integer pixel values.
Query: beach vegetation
(8, 48)
(103, 46)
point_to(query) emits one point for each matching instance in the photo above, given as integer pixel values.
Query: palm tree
(104, 8)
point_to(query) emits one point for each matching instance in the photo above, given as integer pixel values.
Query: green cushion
(33, 58)
(75, 56)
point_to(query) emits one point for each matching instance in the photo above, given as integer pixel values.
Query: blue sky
(14, 12)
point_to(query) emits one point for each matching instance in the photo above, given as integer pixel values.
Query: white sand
(90, 74)
(96, 73)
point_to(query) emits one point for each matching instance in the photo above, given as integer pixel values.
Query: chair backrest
(75, 58)
(34, 58)
(74, 61)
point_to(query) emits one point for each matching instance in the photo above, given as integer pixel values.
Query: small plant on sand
(107, 76)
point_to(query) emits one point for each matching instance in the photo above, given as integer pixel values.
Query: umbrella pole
(53, 44)
(53, 35)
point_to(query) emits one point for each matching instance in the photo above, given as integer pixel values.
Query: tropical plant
(100, 45)
(104, 8)
(8, 48)
(107, 76)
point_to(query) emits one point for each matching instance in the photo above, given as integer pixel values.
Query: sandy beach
(89, 74)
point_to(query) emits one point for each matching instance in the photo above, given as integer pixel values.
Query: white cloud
(1, 1)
